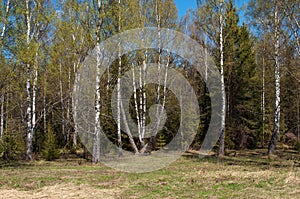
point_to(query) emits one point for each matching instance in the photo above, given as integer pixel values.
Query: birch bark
(96, 140)
(273, 141)
(223, 113)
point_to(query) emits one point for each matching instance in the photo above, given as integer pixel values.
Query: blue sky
(184, 5)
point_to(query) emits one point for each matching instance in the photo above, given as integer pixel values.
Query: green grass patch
(251, 176)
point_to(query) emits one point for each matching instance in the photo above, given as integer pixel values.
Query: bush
(50, 151)
(11, 146)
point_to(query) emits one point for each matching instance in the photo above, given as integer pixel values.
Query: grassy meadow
(241, 174)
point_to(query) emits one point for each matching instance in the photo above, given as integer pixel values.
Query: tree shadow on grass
(258, 157)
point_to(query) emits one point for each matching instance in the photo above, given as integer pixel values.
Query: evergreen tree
(50, 150)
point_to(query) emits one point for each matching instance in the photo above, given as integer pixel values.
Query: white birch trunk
(34, 93)
(118, 87)
(68, 107)
(144, 111)
(77, 79)
(263, 102)
(273, 142)
(205, 57)
(159, 67)
(61, 100)
(29, 134)
(3, 95)
(96, 140)
(128, 132)
(223, 113)
(141, 101)
(44, 102)
(136, 106)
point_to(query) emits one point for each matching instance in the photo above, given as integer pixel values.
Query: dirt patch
(61, 191)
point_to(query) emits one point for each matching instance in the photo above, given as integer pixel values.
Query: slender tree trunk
(205, 57)
(128, 132)
(3, 95)
(136, 106)
(119, 87)
(181, 120)
(29, 134)
(144, 111)
(68, 108)
(96, 141)
(263, 102)
(151, 144)
(44, 102)
(223, 113)
(34, 93)
(273, 141)
(77, 77)
(61, 99)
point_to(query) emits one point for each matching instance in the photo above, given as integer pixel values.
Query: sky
(184, 5)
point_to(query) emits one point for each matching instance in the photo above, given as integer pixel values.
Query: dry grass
(247, 174)
(60, 191)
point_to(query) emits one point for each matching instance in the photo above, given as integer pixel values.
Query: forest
(44, 44)
(145, 99)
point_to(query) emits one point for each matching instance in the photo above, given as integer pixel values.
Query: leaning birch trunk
(136, 106)
(223, 113)
(150, 146)
(273, 141)
(96, 140)
(118, 87)
(128, 132)
(29, 135)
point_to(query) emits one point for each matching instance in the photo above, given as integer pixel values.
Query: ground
(242, 174)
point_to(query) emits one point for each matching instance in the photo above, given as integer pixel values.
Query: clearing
(242, 174)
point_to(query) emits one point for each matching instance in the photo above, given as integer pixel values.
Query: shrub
(50, 151)
(11, 146)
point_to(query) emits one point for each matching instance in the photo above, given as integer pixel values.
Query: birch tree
(5, 15)
(119, 84)
(211, 17)
(96, 142)
(269, 18)
(223, 113)
(273, 141)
